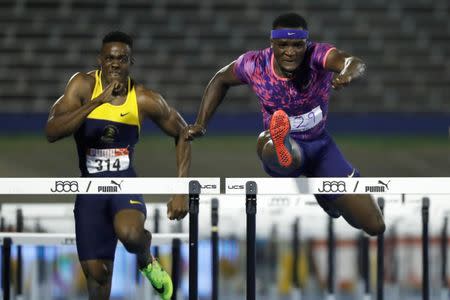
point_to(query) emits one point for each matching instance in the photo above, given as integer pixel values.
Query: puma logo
(118, 184)
(385, 184)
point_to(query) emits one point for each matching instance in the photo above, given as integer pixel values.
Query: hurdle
(331, 280)
(252, 187)
(8, 239)
(380, 257)
(444, 248)
(296, 258)
(194, 197)
(215, 248)
(425, 252)
(115, 185)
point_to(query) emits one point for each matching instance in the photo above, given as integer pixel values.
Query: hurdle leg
(296, 293)
(380, 258)
(19, 277)
(250, 205)
(444, 248)
(194, 197)
(215, 248)
(176, 254)
(331, 259)
(6, 268)
(425, 244)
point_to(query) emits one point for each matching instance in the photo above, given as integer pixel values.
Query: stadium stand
(180, 44)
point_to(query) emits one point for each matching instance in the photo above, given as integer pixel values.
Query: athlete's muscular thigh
(362, 212)
(129, 226)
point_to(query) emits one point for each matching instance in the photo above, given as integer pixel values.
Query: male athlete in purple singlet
(293, 79)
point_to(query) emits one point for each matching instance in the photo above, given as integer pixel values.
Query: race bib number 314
(107, 160)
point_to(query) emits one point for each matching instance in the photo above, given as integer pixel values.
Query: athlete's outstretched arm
(212, 97)
(170, 121)
(349, 67)
(71, 109)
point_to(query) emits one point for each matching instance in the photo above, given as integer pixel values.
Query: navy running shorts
(321, 158)
(94, 228)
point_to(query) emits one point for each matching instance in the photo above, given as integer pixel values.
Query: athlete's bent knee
(98, 274)
(131, 238)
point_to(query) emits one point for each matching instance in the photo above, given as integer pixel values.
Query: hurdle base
(367, 297)
(296, 294)
(445, 294)
(330, 297)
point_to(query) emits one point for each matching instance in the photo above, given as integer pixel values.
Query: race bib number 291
(107, 160)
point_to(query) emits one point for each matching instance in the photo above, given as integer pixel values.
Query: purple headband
(289, 34)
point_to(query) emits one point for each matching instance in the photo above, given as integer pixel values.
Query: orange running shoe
(279, 131)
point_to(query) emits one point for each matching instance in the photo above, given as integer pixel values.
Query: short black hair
(290, 20)
(118, 36)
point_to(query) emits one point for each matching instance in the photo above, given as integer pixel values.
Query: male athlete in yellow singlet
(104, 110)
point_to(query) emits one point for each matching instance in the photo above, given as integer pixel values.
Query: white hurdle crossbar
(106, 185)
(251, 187)
(8, 239)
(68, 239)
(341, 185)
(112, 185)
(211, 186)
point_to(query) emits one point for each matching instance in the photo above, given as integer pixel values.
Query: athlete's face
(288, 53)
(115, 61)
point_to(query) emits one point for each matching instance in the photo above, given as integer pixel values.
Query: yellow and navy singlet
(106, 139)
